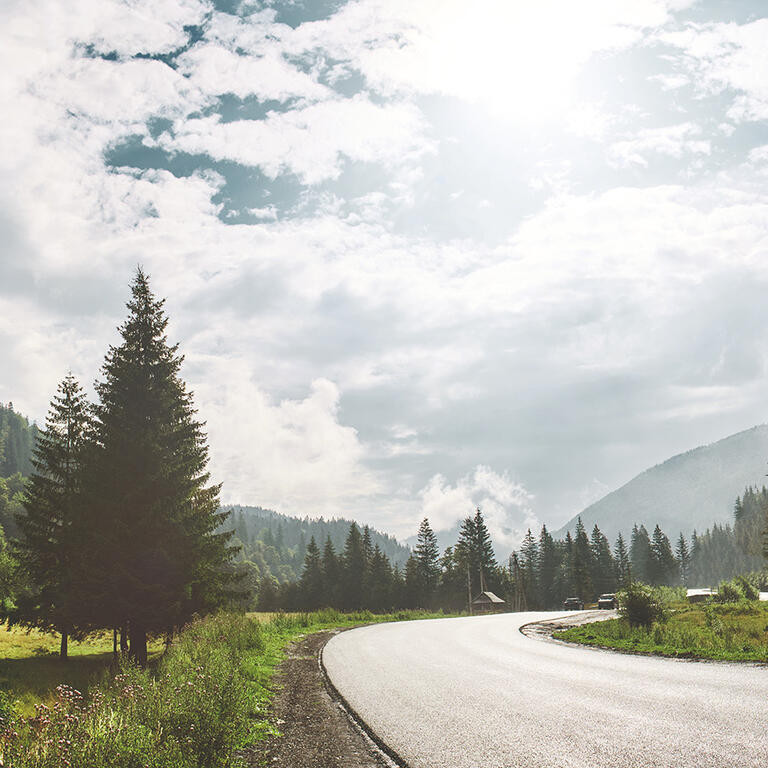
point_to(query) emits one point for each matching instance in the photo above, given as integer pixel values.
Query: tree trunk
(138, 644)
(114, 643)
(64, 645)
(123, 639)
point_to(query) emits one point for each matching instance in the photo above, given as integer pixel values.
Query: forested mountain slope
(17, 439)
(276, 544)
(693, 490)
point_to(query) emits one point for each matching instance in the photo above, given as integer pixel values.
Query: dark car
(573, 604)
(607, 601)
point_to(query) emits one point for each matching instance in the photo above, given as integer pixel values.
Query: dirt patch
(543, 630)
(316, 730)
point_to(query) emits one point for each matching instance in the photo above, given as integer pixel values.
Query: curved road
(476, 693)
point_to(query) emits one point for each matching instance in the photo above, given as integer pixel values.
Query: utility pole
(469, 591)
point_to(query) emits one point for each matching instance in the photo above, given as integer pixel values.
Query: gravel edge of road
(385, 753)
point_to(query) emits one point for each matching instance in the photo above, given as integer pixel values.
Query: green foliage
(733, 631)
(52, 549)
(206, 700)
(158, 555)
(17, 439)
(641, 605)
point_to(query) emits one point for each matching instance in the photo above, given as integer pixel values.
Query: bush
(641, 605)
(729, 592)
(749, 590)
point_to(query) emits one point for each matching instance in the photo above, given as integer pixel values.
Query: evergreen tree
(331, 575)
(159, 555)
(683, 557)
(664, 568)
(549, 564)
(380, 577)
(529, 566)
(354, 570)
(640, 554)
(51, 550)
(312, 578)
(581, 563)
(603, 565)
(621, 558)
(428, 565)
(474, 552)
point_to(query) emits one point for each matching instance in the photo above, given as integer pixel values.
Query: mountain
(690, 491)
(17, 439)
(276, 543)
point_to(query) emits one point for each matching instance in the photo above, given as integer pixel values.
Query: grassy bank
(728, 631)
(205, 699)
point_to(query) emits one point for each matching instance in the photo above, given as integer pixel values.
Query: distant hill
(276, 543)
(690, 491)
(17, 439)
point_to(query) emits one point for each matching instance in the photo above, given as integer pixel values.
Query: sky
(420, 256)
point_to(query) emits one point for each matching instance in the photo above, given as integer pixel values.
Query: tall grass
(206, 699)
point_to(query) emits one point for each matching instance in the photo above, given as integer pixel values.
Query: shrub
(729, 592)
(641, 605)
(749, 590)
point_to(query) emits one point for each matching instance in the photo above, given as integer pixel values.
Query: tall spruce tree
(664, 568)
(311, 583)
(640, 555)
(51, 549)
(581, 563)
(603, 565)
(160, 556)
(621, 558)
(428, 564)
(683, 557)
(549, 564)
(354, 570)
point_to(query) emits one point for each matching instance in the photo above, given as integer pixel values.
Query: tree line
(120, 527)
(540, 575)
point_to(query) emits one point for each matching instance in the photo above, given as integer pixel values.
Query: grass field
(731, 631)
(30, 667)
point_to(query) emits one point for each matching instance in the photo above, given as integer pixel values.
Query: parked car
(607, 601)
(573, 604)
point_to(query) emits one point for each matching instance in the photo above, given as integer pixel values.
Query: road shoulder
(316, 730)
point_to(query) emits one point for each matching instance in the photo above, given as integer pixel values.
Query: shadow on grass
(34, 679)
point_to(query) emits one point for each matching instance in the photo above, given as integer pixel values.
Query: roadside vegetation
(201, 703)
(733, 626)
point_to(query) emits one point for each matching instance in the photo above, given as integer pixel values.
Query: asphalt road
(476, 693)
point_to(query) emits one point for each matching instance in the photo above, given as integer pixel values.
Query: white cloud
(506, 505)
(215, 70)
(310, 141)
(728, 57)
(671, 141)
(293, 456)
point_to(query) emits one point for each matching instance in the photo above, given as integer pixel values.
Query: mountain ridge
(689, 491)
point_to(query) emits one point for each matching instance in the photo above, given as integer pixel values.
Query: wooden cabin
(487, 602)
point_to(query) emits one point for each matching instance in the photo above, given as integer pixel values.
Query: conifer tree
(581, 563)
(640, 554)
(331, 575)
(621, 558)
(159, 557)
(380, 576)
(311, 582)
(354, 570)
(529, 566)
(683, 557)
(51, 549)
(603, 566)
(428, 564)
(663, 565)
(549, 563)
